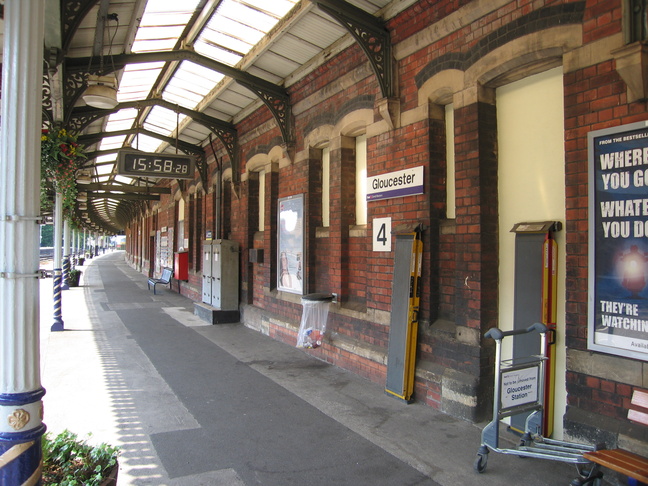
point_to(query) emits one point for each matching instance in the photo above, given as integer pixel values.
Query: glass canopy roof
(187, 70)
(232, 31)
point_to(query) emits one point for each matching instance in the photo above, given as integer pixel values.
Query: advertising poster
(291, 244)
(618, 241)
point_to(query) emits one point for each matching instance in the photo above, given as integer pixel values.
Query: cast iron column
(21, 408)
(66, 254)
(57, 281)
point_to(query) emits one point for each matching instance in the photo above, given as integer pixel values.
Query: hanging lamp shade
(101, 92)
(82, 178)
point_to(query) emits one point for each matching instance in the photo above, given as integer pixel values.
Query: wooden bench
(165, 279)
(634, 466)
(622, 461)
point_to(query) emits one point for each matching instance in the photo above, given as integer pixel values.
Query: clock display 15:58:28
(164, 166)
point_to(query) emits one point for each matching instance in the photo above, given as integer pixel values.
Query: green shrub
(73, 277)
(70, 461)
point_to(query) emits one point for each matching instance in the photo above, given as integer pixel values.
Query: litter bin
(313, 321)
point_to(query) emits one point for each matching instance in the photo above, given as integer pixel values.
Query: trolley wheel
(523, 443)
(481, 462)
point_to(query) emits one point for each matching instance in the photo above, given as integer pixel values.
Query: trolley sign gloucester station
(162, 166)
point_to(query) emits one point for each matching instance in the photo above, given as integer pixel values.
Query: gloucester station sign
(406, 182)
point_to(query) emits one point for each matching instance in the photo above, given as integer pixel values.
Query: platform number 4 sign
(382, 238)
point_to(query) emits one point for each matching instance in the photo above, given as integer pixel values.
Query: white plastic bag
(313, 323)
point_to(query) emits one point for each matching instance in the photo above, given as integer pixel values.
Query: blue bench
(165, 279)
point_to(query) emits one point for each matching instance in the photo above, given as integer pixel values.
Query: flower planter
(70, 460)
(73, 278)
(111, 480)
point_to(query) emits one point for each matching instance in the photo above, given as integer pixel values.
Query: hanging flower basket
(61, 157)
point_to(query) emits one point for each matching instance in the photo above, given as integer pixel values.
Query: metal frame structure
(65, 76)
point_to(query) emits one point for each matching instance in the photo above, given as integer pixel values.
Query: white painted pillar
(21, 392)
(66, 238)
(57, 281)
(58, 232)
(66, 254)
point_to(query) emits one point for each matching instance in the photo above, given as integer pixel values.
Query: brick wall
(595, 98)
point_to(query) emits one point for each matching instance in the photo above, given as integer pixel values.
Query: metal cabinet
(221, 274)
(207, 272)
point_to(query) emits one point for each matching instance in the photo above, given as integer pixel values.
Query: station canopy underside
(185, 73)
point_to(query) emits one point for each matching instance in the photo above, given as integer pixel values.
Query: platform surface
(197, 404)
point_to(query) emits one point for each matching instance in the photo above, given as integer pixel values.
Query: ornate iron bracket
(372, 36)
(279, 105)
(73, 12)
(48, 110)
(275, 97)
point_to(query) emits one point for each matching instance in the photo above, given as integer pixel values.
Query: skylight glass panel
(104, 170)
(162, 24)
(200, 72)
(123, 180)
(154, 45)
(217, 53)
(244, 32)
(137, 81)
(179, 94)
(245, 15)
(163, 121)
(102, 160)
(238, 25)
(146, 143)
(122, 120)
(225, 40)
(190, 84)
(159, 32)
(110, 143)
(278, 8)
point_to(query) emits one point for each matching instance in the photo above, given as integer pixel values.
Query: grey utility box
(221, 274)
(207, 257)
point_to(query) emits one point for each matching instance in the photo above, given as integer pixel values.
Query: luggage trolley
(519, 388)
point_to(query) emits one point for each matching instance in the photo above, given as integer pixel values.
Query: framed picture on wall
(618, 241)
(290, 245)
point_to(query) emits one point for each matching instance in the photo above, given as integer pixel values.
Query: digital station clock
(158, 165)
